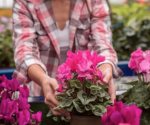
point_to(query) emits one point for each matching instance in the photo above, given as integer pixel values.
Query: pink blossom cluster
(80, 65)
(140, 63)
(14, 107)
(121, 114)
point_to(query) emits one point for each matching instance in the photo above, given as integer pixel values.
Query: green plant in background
(6, 49)
(131, 28)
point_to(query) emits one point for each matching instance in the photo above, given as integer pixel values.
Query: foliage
(138, 94)
(131, 29)
(14, 107)
(6, 49)
(81, 93)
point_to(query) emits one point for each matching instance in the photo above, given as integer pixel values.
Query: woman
(45, 29)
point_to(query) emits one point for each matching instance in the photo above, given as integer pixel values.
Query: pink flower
(147, 55)
(98, 74)
(24, 91)
(12, 85)
(60, 88)
(24, 117)
(72, 60)
(7, 109)
(64, 73)
(84, 69)
(37, 117)
(81, 65)
(23, 103)
(95, 58)
(136, 58)
(144, 66)
(14, 107)
(122, 114)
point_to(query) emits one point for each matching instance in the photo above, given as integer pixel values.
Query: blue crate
(123, 65)
(7, 72)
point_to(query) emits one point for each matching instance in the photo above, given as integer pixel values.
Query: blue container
(123, 65)
(7, 72)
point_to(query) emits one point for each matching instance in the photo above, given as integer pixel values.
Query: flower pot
(85, 120)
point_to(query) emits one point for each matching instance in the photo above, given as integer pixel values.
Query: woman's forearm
(37, 74)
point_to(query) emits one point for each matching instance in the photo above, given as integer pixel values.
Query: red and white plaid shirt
(35, 40)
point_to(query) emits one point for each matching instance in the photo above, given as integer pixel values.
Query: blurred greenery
(6, 51)
(131, 28)
(139, 94)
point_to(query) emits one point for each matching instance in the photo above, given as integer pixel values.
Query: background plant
(131, 28)
(140, 92)
(6, 49)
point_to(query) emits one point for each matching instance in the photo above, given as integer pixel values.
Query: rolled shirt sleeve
(101, 33)
(26, 50)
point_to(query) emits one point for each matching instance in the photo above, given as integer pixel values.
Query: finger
(50, 99)
(112, 90)
(49, 104)
(61, 112)
(106, 70)
(55, 112)
(107, 77)
(54, 84)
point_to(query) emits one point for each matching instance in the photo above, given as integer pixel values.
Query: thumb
(50, 99)
(107, 77)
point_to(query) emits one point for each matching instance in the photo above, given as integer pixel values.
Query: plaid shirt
(35, 40)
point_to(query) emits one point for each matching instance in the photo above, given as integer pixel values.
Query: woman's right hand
(49, 87)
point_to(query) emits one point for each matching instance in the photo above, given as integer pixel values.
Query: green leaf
(70, 91)
(77, 105)
(82, 97)
(75, 84)
(98, 110)
(66, 103)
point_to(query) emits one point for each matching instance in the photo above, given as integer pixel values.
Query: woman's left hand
(107, 71)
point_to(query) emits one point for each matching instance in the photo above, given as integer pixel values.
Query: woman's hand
(107, 72)
(49, 87)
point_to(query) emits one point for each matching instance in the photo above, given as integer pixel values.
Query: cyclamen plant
(14, 107)
(80, 90)
(139, 93)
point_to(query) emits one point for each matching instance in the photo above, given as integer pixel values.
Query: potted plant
(80, 90)
(14, 106)
(140, 92)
